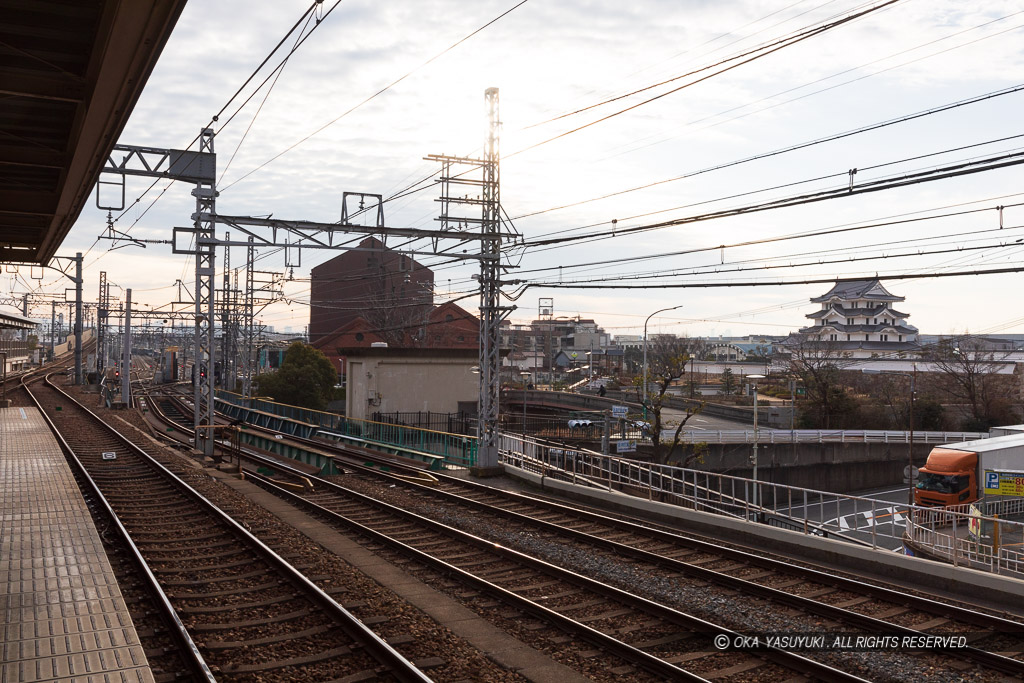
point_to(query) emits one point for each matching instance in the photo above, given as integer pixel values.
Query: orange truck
(961, 473)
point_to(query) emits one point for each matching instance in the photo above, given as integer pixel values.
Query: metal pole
(78, 318)
(645, 352)
(53, 326)
(754, 456)
(910, 450)
(126, 353)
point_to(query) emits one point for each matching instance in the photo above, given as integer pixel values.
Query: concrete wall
(1003, 593)
(836, 467)
(409, 384)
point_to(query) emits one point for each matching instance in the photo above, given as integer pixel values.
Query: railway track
(250, 613)
(592, 543)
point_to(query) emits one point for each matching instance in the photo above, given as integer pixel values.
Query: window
(847, 337)
(449, 317)
(901, 337)
(359, 336)
(462, 338)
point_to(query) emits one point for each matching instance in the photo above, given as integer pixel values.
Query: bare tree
(666, 362)
(970, 371)
(818, 363)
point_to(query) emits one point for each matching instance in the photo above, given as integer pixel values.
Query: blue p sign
(992, 480)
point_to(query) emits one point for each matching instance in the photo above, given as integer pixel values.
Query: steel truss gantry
(199, 168)
(201, 241)
(491, 238)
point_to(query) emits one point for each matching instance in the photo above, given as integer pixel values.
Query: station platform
(63, 616)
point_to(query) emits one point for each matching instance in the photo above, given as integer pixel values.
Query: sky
(378, 86)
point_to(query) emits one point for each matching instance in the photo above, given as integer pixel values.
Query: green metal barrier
(457, 450)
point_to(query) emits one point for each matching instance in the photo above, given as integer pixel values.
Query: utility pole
(491, 310)
(53, 326)
(78, 318)
(225, 313)
(101, 325)
(206, 199)
(126, 353)
(247, 323)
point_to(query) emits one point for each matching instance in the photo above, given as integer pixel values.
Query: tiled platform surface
(63, 617)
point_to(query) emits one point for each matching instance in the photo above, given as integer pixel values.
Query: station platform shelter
(14, 353)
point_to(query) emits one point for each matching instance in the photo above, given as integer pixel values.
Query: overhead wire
(791, 148)
(854, 69)
(378, 93)
(807, 31)
(954, 170)
(778, 238)
(771, 50)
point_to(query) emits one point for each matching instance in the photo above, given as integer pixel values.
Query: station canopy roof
(71, 72)
(14, 321)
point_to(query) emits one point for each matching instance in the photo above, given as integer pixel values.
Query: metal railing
(458, 450)
(996, 545)
(771, 436)
(453, 423)
(307, 415)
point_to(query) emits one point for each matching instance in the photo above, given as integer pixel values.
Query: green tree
(306, 378)
(728, 382)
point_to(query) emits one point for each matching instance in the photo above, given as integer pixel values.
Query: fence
(307, 415)
(14, 347)
(865, 521)
(772, 436)
(458, 450)
(453, 423)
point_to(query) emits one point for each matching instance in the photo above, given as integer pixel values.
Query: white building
(858, 320)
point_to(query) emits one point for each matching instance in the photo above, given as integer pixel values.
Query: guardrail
(996, 545)
(458, 450)
(771, 436)
(307, 415)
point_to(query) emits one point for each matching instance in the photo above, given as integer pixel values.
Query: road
(701, 422)
(854, 518)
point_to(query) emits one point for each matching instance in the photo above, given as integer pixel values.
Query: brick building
(386, 288)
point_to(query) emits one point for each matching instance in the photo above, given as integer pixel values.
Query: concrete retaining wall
(969, 584)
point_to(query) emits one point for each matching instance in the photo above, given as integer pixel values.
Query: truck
(962, 473)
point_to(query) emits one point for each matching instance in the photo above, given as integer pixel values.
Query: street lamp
(525, 375)
(910, 449)
(753, 457)
(645, 351)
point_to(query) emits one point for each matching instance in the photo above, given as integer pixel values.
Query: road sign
(800, 391)
(625, 446)
(907, 475)
(619, 411)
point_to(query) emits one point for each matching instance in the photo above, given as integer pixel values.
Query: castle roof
(858, 289)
